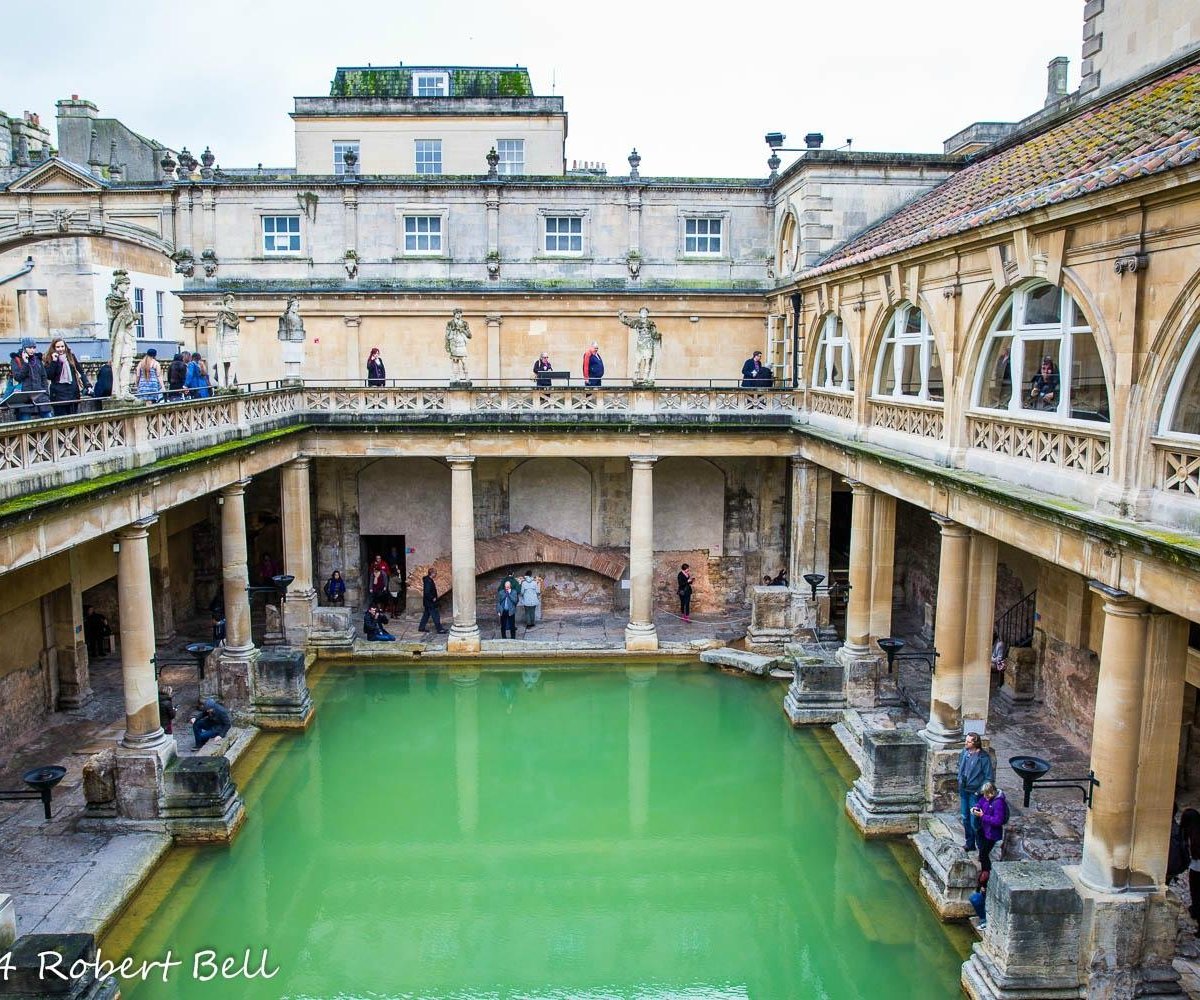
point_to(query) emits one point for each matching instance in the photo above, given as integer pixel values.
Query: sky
(694, 86)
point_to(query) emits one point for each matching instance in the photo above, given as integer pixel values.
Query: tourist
(780, 579)
(196, 381)
(166, 708)
(376, 372)
(335, 588)
(1189, 825)
(377, 586)
(213, 721)
(540, 368)
(95, 632)
(684, 581)
(30, 379)
(147, 378)
(374, 621)
(103, 387)
(755, 375)
(529, 598)
(766, 581)
(974, 771)
(1043, 390)
(593, 365)
(506, 608)
(978, 898)
(991, 809)
(429, 596)
(999, 653)
(216, 608)
(68, 382)
(512, 581)
(176, 376)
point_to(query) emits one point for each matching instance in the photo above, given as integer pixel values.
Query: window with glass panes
(430, 84)
(281, 233)
(833, 365)
(702, 236)
(158, 306)
(909, 365)
(512, 156)
(422, 234)
(429, 156)
(339, 157)
(564, 234)
(139, 307)
(1181, 415)
(1041, 357)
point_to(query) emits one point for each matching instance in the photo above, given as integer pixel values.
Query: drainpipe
(797, 299)
(25, 269)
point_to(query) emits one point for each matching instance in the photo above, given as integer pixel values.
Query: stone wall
(918, 552)
(1069, 676)
(24, 683)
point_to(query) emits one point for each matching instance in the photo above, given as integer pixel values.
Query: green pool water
(624, 832)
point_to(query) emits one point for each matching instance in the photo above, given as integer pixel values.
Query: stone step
(751, 663)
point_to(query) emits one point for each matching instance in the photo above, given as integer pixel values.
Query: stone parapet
(281, 698)
(887, 798)
(332, 628)
(200, 802)
(816, 696)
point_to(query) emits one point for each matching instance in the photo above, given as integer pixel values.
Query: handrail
(1015, 626)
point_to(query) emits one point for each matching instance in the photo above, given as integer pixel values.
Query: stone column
(812, 491)
(142, 727)
(1116, 733)
(301, 598)
(640, 633)
(74, 679)
(977, 638)
(238, 652)
(946, 693)
(464, 633)
(160, 578)
(493, 346)
(858, 611)
(883, 560)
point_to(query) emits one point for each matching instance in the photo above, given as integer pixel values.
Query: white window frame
(833, 348)
(544, 218)
(707, 220)
(339, 147)
(922, 340)
(139, 307)
(1021, 331)
(1191, 355)
(416, 215)
(417, 157)
(441, 88)
(298, 233)
(160, 308)
(507, 163)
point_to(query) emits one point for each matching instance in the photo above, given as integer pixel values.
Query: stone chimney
(1056, 80)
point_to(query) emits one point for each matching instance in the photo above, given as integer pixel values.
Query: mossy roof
(465, 81)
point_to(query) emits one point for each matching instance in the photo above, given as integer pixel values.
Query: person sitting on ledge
(214, 720)
(335, 588)
(374, 621)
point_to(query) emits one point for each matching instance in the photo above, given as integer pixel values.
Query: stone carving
(185, 263)
(493, 263)
(350, 261)
(633, 260)
(458, 332)
(62, 219)
(291, 326)
(227, 341)
(648, 339)
(122, 334)
(208, 257)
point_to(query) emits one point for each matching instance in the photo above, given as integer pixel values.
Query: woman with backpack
(992, 811)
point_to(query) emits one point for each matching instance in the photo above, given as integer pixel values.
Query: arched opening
(1181, 411)
(909, 366)
(788, 254)
(1040, 357)
(833, 361)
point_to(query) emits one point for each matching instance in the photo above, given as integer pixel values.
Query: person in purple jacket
(992, 810)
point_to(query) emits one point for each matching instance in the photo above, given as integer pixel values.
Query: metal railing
(1015, 626)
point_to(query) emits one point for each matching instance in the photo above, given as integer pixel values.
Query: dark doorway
(391, 547)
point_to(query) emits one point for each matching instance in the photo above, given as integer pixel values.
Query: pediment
(55, 175)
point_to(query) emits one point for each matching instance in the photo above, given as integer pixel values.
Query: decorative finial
(493, 161)
(635, 161)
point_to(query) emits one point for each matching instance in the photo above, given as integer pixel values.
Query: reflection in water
(619, 834)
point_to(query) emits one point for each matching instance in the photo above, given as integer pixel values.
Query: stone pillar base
(201, 803)
(138, 777)
(887, 798)
(298, 611)
(332, 628)
(861, 676)
(75, 699)
(948, 875)
(8, 922)
(1020, 677)
(281, 698)
(777, 616)
(25, 980)
(941, 780)
(1030, 948)
(816, 696)
(232, 683)
(641, 637)
(463, 639)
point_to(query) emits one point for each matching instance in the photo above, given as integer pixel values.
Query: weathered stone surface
(948, 873)
(200, 802)
(751, 663)
(26, 980)
(139, 782)
(888, 796)
(1020, 676)
(332, 628)
(281, 696)
(816, 695)
(100, 782)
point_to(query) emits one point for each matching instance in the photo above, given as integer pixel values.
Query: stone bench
(231, 745)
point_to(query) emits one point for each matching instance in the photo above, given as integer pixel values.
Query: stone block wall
(25, 683)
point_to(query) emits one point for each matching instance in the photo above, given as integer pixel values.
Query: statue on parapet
(648, 340)
(227, 342)
(122, 334)
(458, 332)
(291, 326)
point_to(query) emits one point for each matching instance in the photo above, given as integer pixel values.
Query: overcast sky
(694, 86)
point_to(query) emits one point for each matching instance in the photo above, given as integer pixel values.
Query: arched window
(1041, 357)
(833, 365)
(1181, 414)
(787, 244)
(908, 360)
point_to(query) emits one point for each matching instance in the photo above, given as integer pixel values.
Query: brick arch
(528, 547)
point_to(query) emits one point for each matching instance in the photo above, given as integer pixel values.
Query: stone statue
(458, 332)
(648, 339)
(291, 326)
(228, 330)
(122, 334)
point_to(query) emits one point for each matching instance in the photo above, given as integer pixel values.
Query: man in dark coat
(429, 596)
(755, 375)
(30, 378)
(176, 374)
(214, 720)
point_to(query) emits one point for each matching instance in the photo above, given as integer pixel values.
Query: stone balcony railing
(44, 454)
(1177, 467)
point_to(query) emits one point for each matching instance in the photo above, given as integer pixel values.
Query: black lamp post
(814, 580)
(1034, 769)
(41, 781)
(201, 651)
(892, 646)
